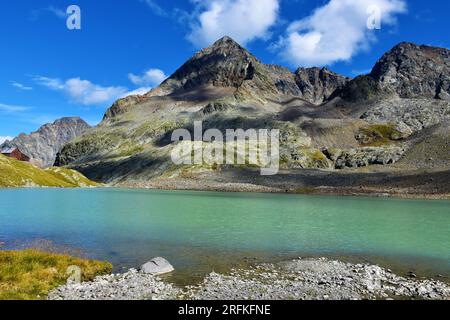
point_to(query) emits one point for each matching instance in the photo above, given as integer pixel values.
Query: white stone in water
(157, 266)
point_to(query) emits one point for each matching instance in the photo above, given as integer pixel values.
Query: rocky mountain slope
(318, 85)
(414, 71)
(326, 121)
(43, 145)
(228, 65)
(15, 173)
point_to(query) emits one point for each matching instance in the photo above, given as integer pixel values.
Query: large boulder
(157, 266)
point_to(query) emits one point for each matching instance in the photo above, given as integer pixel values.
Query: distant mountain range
(383, 127)
(43, 145)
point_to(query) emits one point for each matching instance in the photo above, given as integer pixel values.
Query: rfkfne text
(238, 309)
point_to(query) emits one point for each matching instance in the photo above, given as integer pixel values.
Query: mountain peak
(225, 47)
(225, 63)
(414, 70)
(68, 120)
(226, 41)
(415, 52)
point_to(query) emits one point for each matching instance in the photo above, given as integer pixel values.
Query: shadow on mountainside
(436, 182)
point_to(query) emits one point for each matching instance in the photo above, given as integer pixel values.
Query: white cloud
(243, 20)
(336, 31)
(156, 8)
(52, 83)
(3, 139)
(57, 12)
(8, 108)
(83, 91)
(138, 92)
(152, 77)
(87, 93)
(20, 86)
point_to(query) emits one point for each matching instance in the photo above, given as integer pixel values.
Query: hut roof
(8, 150)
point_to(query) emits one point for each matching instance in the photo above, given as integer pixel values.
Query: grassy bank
(32, 274)
(15, 173)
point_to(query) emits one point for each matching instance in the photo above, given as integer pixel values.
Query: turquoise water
(201, 231)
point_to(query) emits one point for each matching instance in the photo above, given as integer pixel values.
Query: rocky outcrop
(216, 106)
(43, 145)
(407, 71)
(414, 71)
(318, 85)
(121, 106)
(359, 90)
(284, 80)
(409, 114)
(363, 157)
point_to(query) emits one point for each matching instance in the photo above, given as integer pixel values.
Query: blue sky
(49, 71)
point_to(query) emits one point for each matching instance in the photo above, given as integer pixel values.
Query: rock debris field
(301, 279)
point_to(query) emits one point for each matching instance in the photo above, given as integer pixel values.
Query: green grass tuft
(32, 274)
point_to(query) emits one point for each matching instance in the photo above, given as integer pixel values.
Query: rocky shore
(356, 182)
(301, 279)
(132, 285)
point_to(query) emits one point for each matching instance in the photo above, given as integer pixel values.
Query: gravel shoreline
(416, 184)
(301, 279)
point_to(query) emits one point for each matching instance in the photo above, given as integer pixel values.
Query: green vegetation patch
(316, 159)
(72, 177)
(379, 134)
(128, 150)
(31, 274)
(14, 173)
